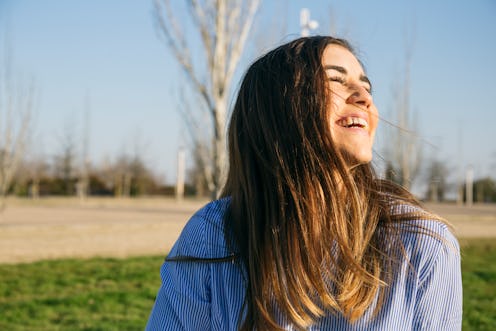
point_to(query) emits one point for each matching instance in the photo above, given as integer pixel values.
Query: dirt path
(478, 221)
(118, 229)
(59, 228)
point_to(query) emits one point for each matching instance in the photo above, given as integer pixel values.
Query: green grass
(479, 284)
(112, 294)
(95, 294)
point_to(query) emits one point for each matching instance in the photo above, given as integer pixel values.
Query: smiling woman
(305, 237)
(353, 113)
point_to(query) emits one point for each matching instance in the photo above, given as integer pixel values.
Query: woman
(305, 237)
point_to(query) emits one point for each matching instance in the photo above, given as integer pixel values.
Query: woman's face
(353, 113)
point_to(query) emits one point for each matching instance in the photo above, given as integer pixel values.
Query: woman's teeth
(351, 122)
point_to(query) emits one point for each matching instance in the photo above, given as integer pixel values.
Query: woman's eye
(337, 79)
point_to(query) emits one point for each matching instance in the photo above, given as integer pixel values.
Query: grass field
(95, 294)
(113, 294)
(479, 284)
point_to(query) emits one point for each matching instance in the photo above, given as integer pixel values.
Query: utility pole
(306, 24)
(83, 182)
(181, 165)
(469, 186)
(459, 181)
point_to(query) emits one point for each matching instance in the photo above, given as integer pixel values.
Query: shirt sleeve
(439, 297)
(183, 301)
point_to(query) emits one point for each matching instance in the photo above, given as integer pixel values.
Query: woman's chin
(357, 158)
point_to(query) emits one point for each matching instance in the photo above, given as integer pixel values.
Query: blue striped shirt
(209, 296)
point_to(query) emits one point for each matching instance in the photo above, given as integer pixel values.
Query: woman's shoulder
(422, 222)
(203, 234)
(428, 240)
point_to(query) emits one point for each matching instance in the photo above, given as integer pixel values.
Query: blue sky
(108, 52)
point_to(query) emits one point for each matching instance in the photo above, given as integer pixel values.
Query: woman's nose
(359, 96)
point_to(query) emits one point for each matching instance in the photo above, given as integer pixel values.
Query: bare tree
(38, 168)
(17, 101)
(122, 176)
(223, 27)
(83, 183)
(195, 174)
(65, 161)
(269, 30)
(437, 181)
(32, 169)
(405, 151)
(131, 176)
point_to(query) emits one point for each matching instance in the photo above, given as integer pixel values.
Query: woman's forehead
(338, 56)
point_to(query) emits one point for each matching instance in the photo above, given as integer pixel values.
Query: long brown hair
(308, 230)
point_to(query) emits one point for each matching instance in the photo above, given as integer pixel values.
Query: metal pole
(181, 164)
(469, 186)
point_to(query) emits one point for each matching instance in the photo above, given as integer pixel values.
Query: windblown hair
(309, 231)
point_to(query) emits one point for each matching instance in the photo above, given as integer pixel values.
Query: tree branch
(241, 40)
(179, 48)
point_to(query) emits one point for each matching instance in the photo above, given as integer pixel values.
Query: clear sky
(108, 53)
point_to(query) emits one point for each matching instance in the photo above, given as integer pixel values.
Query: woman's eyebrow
(365, 79)
(337, 68)
(342, 70)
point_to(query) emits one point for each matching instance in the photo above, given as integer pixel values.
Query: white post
(459, 180)
(181, 163)
(469, 186)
